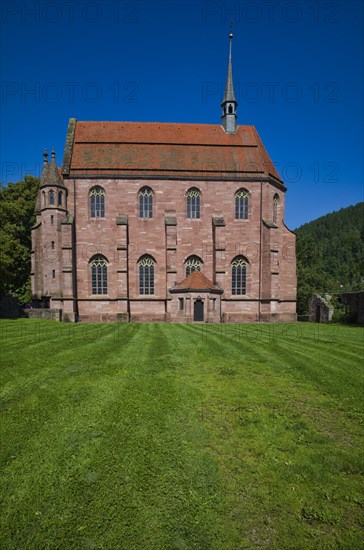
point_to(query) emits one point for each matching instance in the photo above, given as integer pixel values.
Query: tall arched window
(97, 202)
(99, 275)
(241, 204)
(238, 275)
(44, 198)
(51, 197)
(60, 198)
(146, 275)
(193, 196)
(275, 207)
(146, 203)
(193, 263)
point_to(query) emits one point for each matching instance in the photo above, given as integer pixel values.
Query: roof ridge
(159, 123)
(196, 281)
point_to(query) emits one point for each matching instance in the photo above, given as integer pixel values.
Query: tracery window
(60, 198)
(193, 263)
(241, 204)
(97, 202)
(275, 207)
(193, 197)
(146, 203)
(99, 275)
(238, 276)
(51, 197)
(146, 275)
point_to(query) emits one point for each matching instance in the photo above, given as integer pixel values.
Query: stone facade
(319, 309)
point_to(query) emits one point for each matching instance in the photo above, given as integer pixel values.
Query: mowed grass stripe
(283, 432)
(175, 436)
(125, 453)
(309, 361)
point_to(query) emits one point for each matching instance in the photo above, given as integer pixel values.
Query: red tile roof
(169, 150)
(196, 282)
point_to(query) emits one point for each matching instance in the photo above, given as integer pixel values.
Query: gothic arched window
(97, 202)
(146, 203)
(146, 275)
(193, 196)
(241, 204)
(238, 275)
(60, 198)
(99, 275)
(275, 207)
(51, 197)
(193, 263)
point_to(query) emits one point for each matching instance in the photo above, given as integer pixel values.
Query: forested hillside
(330, 254)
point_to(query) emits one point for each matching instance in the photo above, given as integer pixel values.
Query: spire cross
(231, 37)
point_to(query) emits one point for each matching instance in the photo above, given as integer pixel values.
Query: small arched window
(193, 196)
(60, 198)
(146, 203)
(238, 275)
(193, 263)
(44, 198)
(97, 202)
(275, 207)
(241, 204)
(51, 197)
(146, 275)
(99, 275)
(230, 109)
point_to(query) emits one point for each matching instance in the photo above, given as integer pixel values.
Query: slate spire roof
(229, 95)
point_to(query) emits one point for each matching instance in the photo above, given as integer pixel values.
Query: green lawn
(157, 436)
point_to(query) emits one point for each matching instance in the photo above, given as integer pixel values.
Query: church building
(164, 222)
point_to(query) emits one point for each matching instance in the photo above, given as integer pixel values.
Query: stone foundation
(43, 313)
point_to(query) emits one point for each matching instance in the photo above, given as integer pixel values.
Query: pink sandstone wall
(271, 272)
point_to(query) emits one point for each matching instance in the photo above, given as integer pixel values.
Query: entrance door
(198, 310)
(318, 314)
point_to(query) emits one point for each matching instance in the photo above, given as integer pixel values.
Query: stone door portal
(198, 310)
(318, 314)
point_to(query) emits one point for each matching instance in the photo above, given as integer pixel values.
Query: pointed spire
(229, 88)
(229, 102)
(50, 173)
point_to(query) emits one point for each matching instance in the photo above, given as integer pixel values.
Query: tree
(330, 252)
(17, 203)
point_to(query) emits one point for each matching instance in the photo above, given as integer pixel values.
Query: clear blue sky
(298, 72)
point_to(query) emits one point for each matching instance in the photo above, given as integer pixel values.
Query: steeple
(229, 103)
